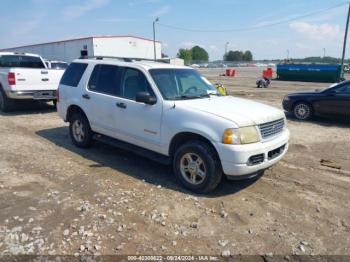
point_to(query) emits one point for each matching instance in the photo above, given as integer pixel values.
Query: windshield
(175, 84)
(329, 87)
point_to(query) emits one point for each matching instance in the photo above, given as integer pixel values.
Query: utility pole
(226, 45)
(344, 45)
(154, 38)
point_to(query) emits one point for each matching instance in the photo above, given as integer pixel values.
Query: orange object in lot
(268, 73)
(231, 72)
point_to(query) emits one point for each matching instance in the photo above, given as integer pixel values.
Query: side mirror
(145, 97)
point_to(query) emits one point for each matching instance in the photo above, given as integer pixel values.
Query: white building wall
(64, 50)
(126, 47)
(69, 50)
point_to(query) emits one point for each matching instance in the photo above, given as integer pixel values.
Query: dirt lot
(58, 199)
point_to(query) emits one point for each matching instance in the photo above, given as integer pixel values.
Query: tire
(80, 130)
(197, 167)
(6, 103)
(302, 111)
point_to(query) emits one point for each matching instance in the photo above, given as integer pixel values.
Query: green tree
(199, 54)
(247, 56)
(234, 56)
(185, 54)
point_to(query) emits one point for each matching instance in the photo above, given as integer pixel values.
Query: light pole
(154, 38)
(226, 45)
(324, 52)
(344, 45)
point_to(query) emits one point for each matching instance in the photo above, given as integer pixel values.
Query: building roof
(83, 38)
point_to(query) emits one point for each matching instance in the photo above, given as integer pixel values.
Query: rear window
(73, 74)
(21, 61)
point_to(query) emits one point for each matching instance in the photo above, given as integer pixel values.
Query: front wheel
(302, 111)
(197, 167)
(80, 130)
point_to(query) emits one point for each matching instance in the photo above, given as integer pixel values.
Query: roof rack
(125, 59)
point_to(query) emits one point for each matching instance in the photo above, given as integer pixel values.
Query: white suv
(173, 115)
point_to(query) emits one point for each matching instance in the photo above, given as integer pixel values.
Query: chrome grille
(271, 128)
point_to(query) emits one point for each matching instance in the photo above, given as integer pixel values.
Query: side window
(106, 79)
(73, 74)
(134, 82)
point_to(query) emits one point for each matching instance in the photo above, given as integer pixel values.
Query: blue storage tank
(309, 72)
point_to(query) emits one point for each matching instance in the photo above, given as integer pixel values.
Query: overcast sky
(35, 21)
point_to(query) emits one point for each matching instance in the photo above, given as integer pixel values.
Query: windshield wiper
(193, 96)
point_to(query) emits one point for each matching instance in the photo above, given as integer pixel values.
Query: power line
(253, 27)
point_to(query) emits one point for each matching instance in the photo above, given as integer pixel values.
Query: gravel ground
(57, 199)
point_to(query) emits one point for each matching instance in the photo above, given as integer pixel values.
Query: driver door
(138, 123)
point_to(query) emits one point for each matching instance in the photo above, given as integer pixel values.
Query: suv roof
(141, 63)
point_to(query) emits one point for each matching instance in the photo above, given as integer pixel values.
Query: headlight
(243, 135)
(286, 98)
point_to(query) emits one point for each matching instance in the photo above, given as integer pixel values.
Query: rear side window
(73, 74)
(106, 79)
(22, 61)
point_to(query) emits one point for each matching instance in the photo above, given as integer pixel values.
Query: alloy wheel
(78, 131)
(192, 168)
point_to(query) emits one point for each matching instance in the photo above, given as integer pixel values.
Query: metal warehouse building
(68, 50)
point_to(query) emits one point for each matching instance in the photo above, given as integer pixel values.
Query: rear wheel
(302, 111)
(5, 102)
(197, 167)
(80, 130)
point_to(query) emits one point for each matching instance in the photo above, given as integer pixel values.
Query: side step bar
(165, 160)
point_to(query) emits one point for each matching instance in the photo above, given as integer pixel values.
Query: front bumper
(287, 105)
(236, 160)
(33, 94)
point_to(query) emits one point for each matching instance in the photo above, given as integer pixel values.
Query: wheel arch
(184, 137)
(72, 109)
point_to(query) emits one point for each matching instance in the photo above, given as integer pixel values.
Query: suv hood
(308, 92)
(241, 111)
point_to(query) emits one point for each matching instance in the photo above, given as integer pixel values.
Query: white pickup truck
(173, 115)
(25, 76)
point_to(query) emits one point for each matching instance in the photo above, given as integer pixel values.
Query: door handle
(121, 105)
(85, 96)
(45, 79)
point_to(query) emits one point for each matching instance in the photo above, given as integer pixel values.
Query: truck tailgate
(36, 79)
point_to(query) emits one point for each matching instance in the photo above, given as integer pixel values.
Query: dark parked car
(331, 101)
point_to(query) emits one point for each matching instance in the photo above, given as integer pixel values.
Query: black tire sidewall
(213, 168)
(86, 128)
(5, 105)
